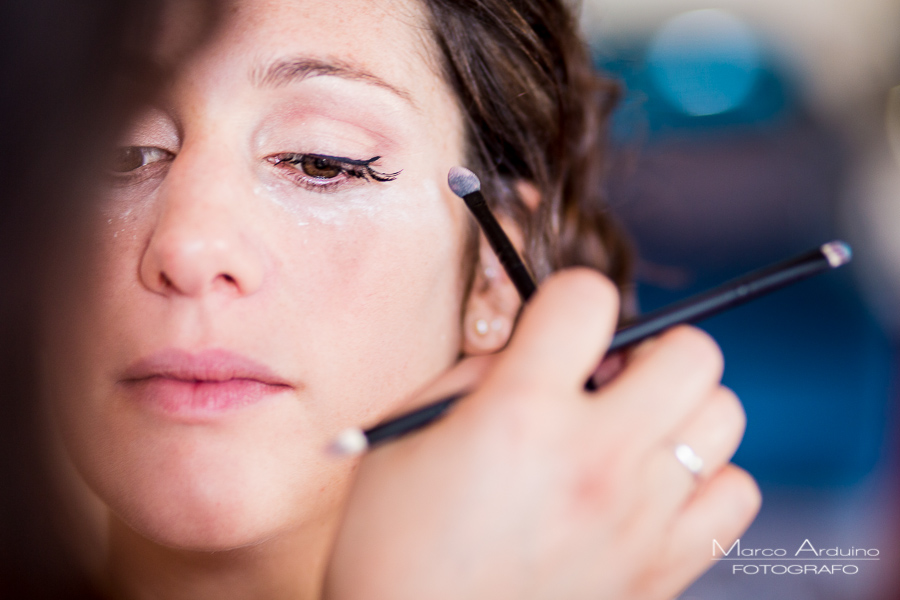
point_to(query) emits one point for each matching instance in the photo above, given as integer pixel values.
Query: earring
(481, 327)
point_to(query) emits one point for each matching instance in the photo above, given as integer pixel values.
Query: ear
(493, 302)
(491, 307)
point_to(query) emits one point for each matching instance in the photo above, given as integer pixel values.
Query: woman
(276, 257)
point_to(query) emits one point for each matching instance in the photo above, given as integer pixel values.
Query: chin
(200, 518)
(197, 497)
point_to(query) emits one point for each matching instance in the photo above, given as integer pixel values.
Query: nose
(201, 243)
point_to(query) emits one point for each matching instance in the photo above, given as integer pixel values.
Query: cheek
(380, 289)
(84, 324)
(387, 254)
(363, 249)
(91, 270)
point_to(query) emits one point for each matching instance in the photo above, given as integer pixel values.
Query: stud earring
(481, 327)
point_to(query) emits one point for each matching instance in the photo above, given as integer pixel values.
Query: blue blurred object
(814, 372)
(703, 69)
(727, 171)
(704, 62)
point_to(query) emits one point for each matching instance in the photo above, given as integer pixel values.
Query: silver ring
(686, 456)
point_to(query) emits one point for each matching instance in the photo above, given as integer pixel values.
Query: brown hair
(535, 110)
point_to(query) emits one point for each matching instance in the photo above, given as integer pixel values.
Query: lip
(200, 385)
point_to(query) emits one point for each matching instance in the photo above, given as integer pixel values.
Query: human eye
(129, 162)
(321, 173)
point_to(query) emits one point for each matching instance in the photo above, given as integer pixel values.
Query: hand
(533, 488)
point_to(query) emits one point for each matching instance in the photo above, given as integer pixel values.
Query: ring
(686, 456)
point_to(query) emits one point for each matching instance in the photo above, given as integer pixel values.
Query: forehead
(386, 43)
(372, 61)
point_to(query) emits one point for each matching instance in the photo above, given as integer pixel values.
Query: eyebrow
(285, 71)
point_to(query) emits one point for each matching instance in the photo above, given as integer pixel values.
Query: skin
(353, 299)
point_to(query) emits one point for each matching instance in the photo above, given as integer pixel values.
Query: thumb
(562, 334)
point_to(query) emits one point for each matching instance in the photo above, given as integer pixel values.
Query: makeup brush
(734, 293)
(465, 184)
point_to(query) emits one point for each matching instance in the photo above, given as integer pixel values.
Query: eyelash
(151, 159)
(294, 165)
(290, 163)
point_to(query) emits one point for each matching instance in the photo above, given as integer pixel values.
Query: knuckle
(601, 485)
(730, 411)
(746, 491)
(700, 349)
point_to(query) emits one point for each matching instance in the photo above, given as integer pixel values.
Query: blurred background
(752, 130)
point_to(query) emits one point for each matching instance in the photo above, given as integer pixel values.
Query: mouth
(202, 385)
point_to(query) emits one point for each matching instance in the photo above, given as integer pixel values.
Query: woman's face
(277, 258)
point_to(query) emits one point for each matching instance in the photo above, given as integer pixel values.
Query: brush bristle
(838, 253)
(349, 443)
(463, 181)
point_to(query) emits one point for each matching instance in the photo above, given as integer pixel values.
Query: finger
(713, 433)
(721, 511)
(663, 383)
(715, 430)
(562, 333)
